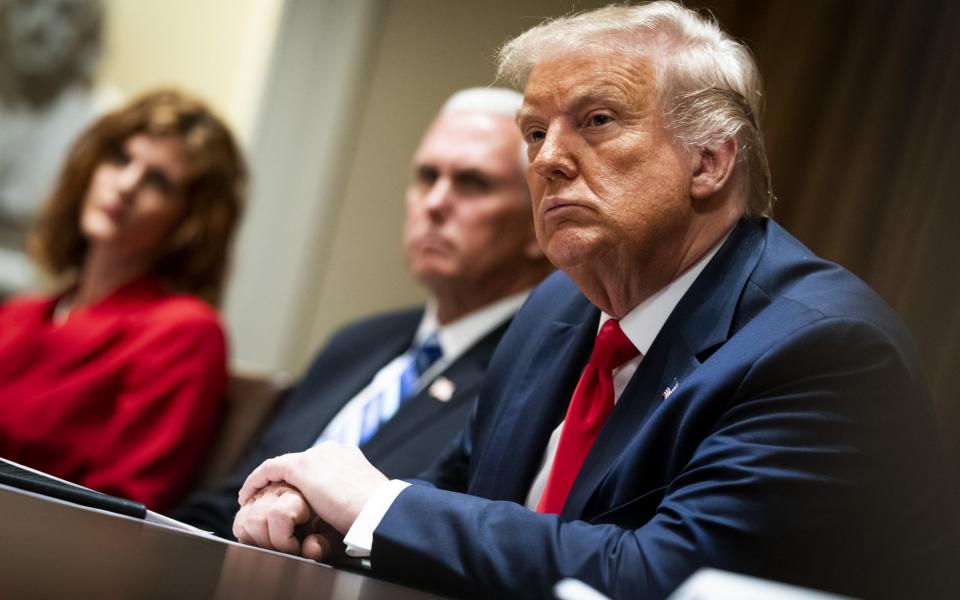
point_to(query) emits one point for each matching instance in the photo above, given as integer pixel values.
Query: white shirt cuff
(359, 538)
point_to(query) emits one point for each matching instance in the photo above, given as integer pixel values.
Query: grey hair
(493, 100)
(489, 100)
(708, 85)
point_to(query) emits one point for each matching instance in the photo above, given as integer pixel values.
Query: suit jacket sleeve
(794, 447)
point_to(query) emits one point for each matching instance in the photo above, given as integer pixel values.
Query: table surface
(52, 549)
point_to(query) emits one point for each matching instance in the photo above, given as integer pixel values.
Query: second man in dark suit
(399, 385)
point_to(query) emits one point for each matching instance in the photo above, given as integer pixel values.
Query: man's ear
(712, 168)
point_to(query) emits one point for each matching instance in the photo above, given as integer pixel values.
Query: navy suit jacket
(798, 444)
(402, 447)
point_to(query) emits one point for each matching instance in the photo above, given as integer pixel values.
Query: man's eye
(600, 119)
(472, 184)
(426, 176)
(535, 136)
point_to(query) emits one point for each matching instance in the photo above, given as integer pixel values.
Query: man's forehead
(469, 123)
(468, 135)
(582, 77)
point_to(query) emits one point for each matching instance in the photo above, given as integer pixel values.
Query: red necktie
(592, 403)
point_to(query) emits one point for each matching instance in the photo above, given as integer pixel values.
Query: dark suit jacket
(402, 447)
(799, 444)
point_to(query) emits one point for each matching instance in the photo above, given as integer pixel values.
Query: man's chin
(571, 249)
(432, 274)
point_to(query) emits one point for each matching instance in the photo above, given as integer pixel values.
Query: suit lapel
(706, 314)
(466, 374)
(317, 406)
(536, 405)
(699, 324)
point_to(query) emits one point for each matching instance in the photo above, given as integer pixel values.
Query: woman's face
(135, 198)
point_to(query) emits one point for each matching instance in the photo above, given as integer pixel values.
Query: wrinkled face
(468, 216)
(610, 187)
(135, 198)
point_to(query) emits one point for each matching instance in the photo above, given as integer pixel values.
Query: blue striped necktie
(422, 357)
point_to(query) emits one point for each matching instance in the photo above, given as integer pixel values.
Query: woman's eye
(159, 182)
(119, 157)
(535, 136)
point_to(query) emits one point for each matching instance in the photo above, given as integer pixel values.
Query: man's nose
(555, 157)
(438, 198)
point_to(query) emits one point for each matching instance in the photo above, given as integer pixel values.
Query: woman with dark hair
(116, 382)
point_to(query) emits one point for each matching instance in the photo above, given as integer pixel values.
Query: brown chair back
(251, 401)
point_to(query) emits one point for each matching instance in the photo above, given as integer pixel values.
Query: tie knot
(426, 353)
(612, 348)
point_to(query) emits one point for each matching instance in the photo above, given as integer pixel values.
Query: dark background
(864, 146)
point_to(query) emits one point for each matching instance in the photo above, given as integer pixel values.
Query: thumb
(273, 470)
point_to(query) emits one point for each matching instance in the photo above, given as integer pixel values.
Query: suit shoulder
(364, 337)
(791, 271)
(379, 325)
(792, 285)
(555, 283)
(554, 296)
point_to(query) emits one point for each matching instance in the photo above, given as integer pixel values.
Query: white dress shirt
(454, 338)
(641, 326)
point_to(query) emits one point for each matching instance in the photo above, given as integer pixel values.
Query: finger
(321, 546)
(239, 526)
(270, 471)
(250, 526)
(288, 511)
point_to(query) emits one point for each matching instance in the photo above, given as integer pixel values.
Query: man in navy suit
(468, 238)
(695, 389)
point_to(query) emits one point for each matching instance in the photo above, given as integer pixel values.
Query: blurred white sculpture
(49, 52)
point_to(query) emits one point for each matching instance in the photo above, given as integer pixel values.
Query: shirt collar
(642, 324)
(458, 336)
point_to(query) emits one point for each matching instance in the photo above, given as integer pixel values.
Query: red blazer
(123, 397)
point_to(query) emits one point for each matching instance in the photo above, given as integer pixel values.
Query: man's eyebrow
(425, 170)
(471, 173)
(523, 114)
(599, 94)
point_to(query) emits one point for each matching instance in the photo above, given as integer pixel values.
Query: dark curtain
(864, 145)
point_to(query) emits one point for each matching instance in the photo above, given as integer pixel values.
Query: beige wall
(425, 49)
(217, 49)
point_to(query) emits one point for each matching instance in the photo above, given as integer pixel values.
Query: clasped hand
(315, 495)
